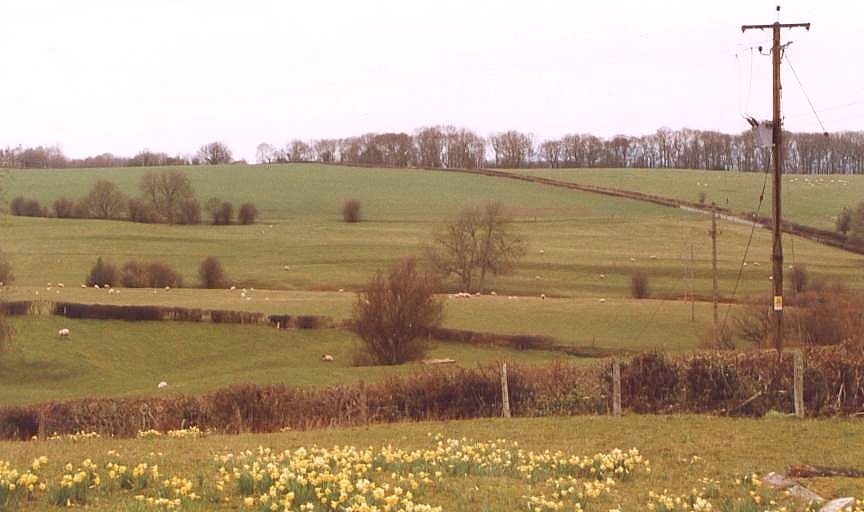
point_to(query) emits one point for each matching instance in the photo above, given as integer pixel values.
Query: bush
(190, 212)
(394, 311)
(844, 220)
(351, 211)
(799, 278)
(6, 275)
(137, 274)
(639, 285)
(211, 274)
(102, 273)
(26, 207)
(140, 211)
(65, 208)
(247, 214)
(221, 212)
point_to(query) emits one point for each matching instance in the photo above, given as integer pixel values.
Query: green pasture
(109, 358)
(613, 324)
(580, 244)
(686, 453)
(814, 200)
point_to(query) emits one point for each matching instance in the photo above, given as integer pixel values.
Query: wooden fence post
(799, 384)
(505, 391)
(43, 425)
(616, 388)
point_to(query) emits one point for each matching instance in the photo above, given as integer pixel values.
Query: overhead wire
(795, 73)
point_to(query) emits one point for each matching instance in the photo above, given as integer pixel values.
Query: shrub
(393, 312)
(65, 208)
(799, 278)
(140, 211)
(133, 274)
(639, 285)
(137, 274)
(648, 382)
(26, 207)
(161, 275)
(751, 322)
(6, 275)
(351, 210)
(211, 274)
(102, 273)
(247, 214)
(844, 220)
(190, 212)
(221, 212)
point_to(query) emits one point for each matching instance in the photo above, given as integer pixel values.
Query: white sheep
(327, 358)
(602, 301)
(59, 285)
(63, 333)
(162, 385)
(542, 295)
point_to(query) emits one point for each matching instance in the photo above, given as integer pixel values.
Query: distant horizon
(192, 153)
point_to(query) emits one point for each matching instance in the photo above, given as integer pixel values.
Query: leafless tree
(105, 201)
(324, 150)
(265, 153)
(215, 153)
(298, 151)
(394, 310)
(478, 242)
(169, 193)
(512, 149)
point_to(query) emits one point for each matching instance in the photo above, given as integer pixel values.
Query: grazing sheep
(327, 358)
(59, 285)
(542, 295)
(493, 293)
(162, 385)
(63, 333)
(83, 286)
(96, 286)
(602, 301)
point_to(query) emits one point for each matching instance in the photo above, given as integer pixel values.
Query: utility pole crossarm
(744, 28)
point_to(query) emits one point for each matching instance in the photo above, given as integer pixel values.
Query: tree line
(452, 147)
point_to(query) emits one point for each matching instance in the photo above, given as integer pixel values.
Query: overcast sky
(170, 75)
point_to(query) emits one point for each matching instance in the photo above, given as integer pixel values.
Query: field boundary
(822, 236)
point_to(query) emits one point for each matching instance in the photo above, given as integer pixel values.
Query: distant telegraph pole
(777, 142)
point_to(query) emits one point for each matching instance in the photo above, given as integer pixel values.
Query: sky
(119, 76)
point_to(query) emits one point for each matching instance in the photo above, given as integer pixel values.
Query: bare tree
(168, 192)
(512, 149)
(478, 242)
(265, 153)
(298, 151)
(394, 311)
(105, 201)
(324, 150)
(215, 153)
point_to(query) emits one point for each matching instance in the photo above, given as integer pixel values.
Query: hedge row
(740, 384)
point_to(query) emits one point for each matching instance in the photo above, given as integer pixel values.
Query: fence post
(616, 388)
(43, 425)
(799, 384)
(364, 404)
(505, 391)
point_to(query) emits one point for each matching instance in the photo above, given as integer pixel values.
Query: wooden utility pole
(714, 273)
(777, 141)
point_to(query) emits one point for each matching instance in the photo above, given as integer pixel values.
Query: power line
(804, 92)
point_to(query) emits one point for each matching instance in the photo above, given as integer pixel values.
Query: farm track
(821, 236)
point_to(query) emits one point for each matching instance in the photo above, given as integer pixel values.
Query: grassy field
(302, 244)
(688, 455)
(813, 200)
(108, 358)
